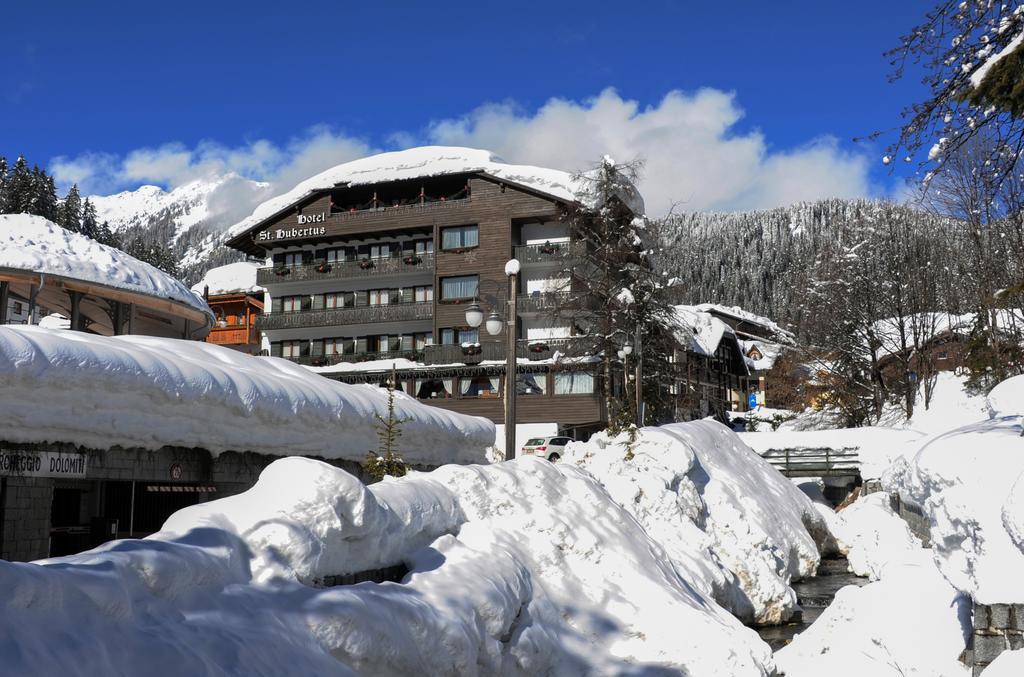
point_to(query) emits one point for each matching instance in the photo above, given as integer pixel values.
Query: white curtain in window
(459, 287)
(574, 383)
(476, 386)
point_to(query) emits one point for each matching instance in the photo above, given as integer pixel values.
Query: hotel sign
(42, 463)
(273, 234)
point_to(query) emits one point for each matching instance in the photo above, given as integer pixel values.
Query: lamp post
(474, 318)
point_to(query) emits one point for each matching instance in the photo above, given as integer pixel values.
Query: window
(942, 355)
(17, 307)
(424, 246)
(574, 383)
(531, 384)
(293, 259)
(459, 288)
(435, 388)
(478, 386)
(379, 297)
(424, 294)
(291, 348)
(460, 237)
(339, 346)
(339, 299)
(380, 251)
(451, 336)
(421, 341)
(291, 304)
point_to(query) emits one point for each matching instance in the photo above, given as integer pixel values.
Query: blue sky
(770, 92)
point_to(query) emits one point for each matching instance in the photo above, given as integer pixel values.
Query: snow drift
(234, 278)
(145, 392)
(739, 530)
(518, 568)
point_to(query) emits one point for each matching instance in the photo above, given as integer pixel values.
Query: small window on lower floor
(531, 384)
(574, 383)
(478, 386)
(434, 389)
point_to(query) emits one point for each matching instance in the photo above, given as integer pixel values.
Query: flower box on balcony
(323, 267)
(548, 248)
(366, 264)
(539, 347)
(412, 260)
(471, 349)
(281, 271)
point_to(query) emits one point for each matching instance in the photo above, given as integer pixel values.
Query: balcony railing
(329, 317)
(536, 349)
(550, 252)
(328, 360)
(343, 270)
(547, 302)
(233, 336)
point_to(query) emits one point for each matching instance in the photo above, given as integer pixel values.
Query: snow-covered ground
(740, 530)
(518, 568)
(146, 392)
(970, 482)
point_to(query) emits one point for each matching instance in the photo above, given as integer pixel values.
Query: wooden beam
(142, 300)
(5, 288)
(76, 312)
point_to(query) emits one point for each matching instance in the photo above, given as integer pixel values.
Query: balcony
(328, 360)
(555, 302)
(536, 349)
(552, 252)
(331, 317)
(346, 270)
(233, 336)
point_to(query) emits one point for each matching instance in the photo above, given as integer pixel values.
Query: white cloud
(692, 156)
(174, 164)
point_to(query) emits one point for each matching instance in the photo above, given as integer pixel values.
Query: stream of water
(813, 595)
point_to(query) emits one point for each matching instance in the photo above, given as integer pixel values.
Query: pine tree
(19, 188)
(387, 460)
(4, 179)
(69, 212)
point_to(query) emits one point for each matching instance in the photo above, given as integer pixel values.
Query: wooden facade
(350, 218)
(235, 326)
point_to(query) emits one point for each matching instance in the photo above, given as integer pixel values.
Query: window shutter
(361, 345)
(279, 259)
(276, 306)
(275, 350)
(318, 302)
(317, 348)
(306, 303)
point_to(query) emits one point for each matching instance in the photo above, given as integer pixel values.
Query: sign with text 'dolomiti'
(31, 463)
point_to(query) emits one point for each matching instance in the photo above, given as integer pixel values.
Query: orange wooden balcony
(233, 336)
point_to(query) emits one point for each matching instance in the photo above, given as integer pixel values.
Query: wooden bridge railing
(814, 462)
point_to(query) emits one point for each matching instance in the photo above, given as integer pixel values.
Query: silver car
(550, 448)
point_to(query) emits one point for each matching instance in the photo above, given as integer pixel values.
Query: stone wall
(915, 517)
(997, 628)
(26, 517)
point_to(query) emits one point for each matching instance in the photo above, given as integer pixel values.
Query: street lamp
(474, 318)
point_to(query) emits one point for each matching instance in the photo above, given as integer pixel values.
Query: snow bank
(520, 568)
(426, 161)
(1007, 664)
(968, 481)
(700, 330)
(872, 536)
(876, 447)
(909, 623)
(737, 527)
(1007, 398)
(234, 278)
(146, 392)
(33, 244)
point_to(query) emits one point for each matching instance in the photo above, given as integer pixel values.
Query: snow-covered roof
(427, 161)
(147, 392)
(769, 350)
(234, 278)
(35, 245)
(746, 316)
(702, 331)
